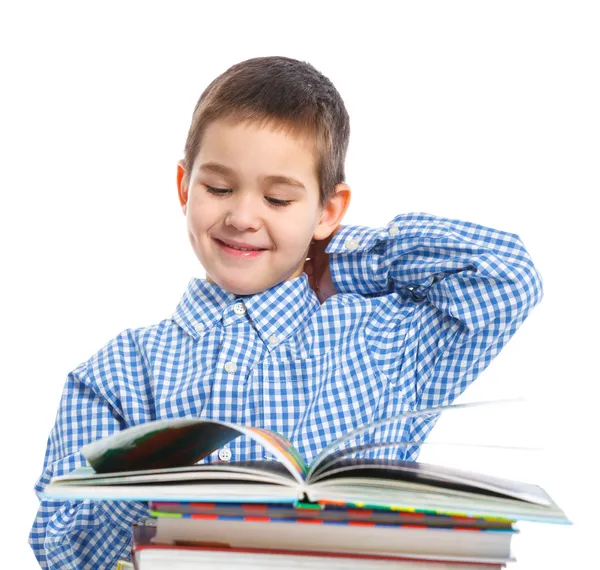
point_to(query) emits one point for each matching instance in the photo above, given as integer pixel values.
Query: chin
(242, 286)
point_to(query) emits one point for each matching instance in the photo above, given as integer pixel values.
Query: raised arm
(454, 292)
(81, 535)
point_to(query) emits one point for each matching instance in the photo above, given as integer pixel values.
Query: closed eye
(218, 191)
(225, 191)
(277, 202)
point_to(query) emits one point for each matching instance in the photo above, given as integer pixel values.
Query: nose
(244, 212)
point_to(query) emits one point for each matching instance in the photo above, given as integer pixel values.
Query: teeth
(240, 248)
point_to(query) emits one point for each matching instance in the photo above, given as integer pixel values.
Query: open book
(157, 461)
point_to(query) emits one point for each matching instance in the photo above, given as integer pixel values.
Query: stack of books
(323, 537)
(339, 512)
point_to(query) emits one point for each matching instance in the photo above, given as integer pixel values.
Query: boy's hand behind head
(316, 267)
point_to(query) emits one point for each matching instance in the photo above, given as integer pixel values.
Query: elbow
(521, 294)
(525, 277)
(530, 289)
(502, 302)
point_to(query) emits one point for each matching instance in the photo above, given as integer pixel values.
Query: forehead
(250, 148)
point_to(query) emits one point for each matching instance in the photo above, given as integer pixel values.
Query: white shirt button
(230, 367)
(199, 328)
(273, 340)
(225, 454)
(351, 244)
(239, 309)
(393, 231)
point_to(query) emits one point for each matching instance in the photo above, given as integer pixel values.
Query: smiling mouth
(239, 247)
(234, 249)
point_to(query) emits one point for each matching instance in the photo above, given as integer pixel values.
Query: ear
(182, 186)
(333, 212)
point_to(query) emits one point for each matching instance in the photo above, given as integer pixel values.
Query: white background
(484, 111)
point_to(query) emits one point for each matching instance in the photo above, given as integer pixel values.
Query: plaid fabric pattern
(425, 304)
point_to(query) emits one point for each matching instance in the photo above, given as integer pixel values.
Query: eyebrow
(271, 179)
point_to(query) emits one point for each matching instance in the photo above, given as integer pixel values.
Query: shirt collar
(275, 313)
(201, 307)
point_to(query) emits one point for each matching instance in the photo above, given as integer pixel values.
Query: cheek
(198, 215)
(296, 231)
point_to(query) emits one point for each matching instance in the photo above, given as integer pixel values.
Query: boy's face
(250, 228)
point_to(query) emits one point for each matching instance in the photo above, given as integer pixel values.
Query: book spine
(141, 535)
(402, 508)
(256, 518)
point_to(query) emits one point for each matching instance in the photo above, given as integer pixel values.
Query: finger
(309, 267)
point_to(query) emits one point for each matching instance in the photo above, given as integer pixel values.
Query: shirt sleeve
(81, 535)
(460, 292)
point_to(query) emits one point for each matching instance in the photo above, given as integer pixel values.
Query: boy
(376, 322)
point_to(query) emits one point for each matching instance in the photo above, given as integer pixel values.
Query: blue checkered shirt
(425, 304)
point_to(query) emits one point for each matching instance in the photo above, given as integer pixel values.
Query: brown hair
(279, 92)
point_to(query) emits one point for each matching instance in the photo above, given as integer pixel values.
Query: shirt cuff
(357, 261)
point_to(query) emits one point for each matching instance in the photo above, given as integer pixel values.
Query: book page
(281, 448)
(342, 454)
(330, 449)
(180, 442)
(436, 475)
